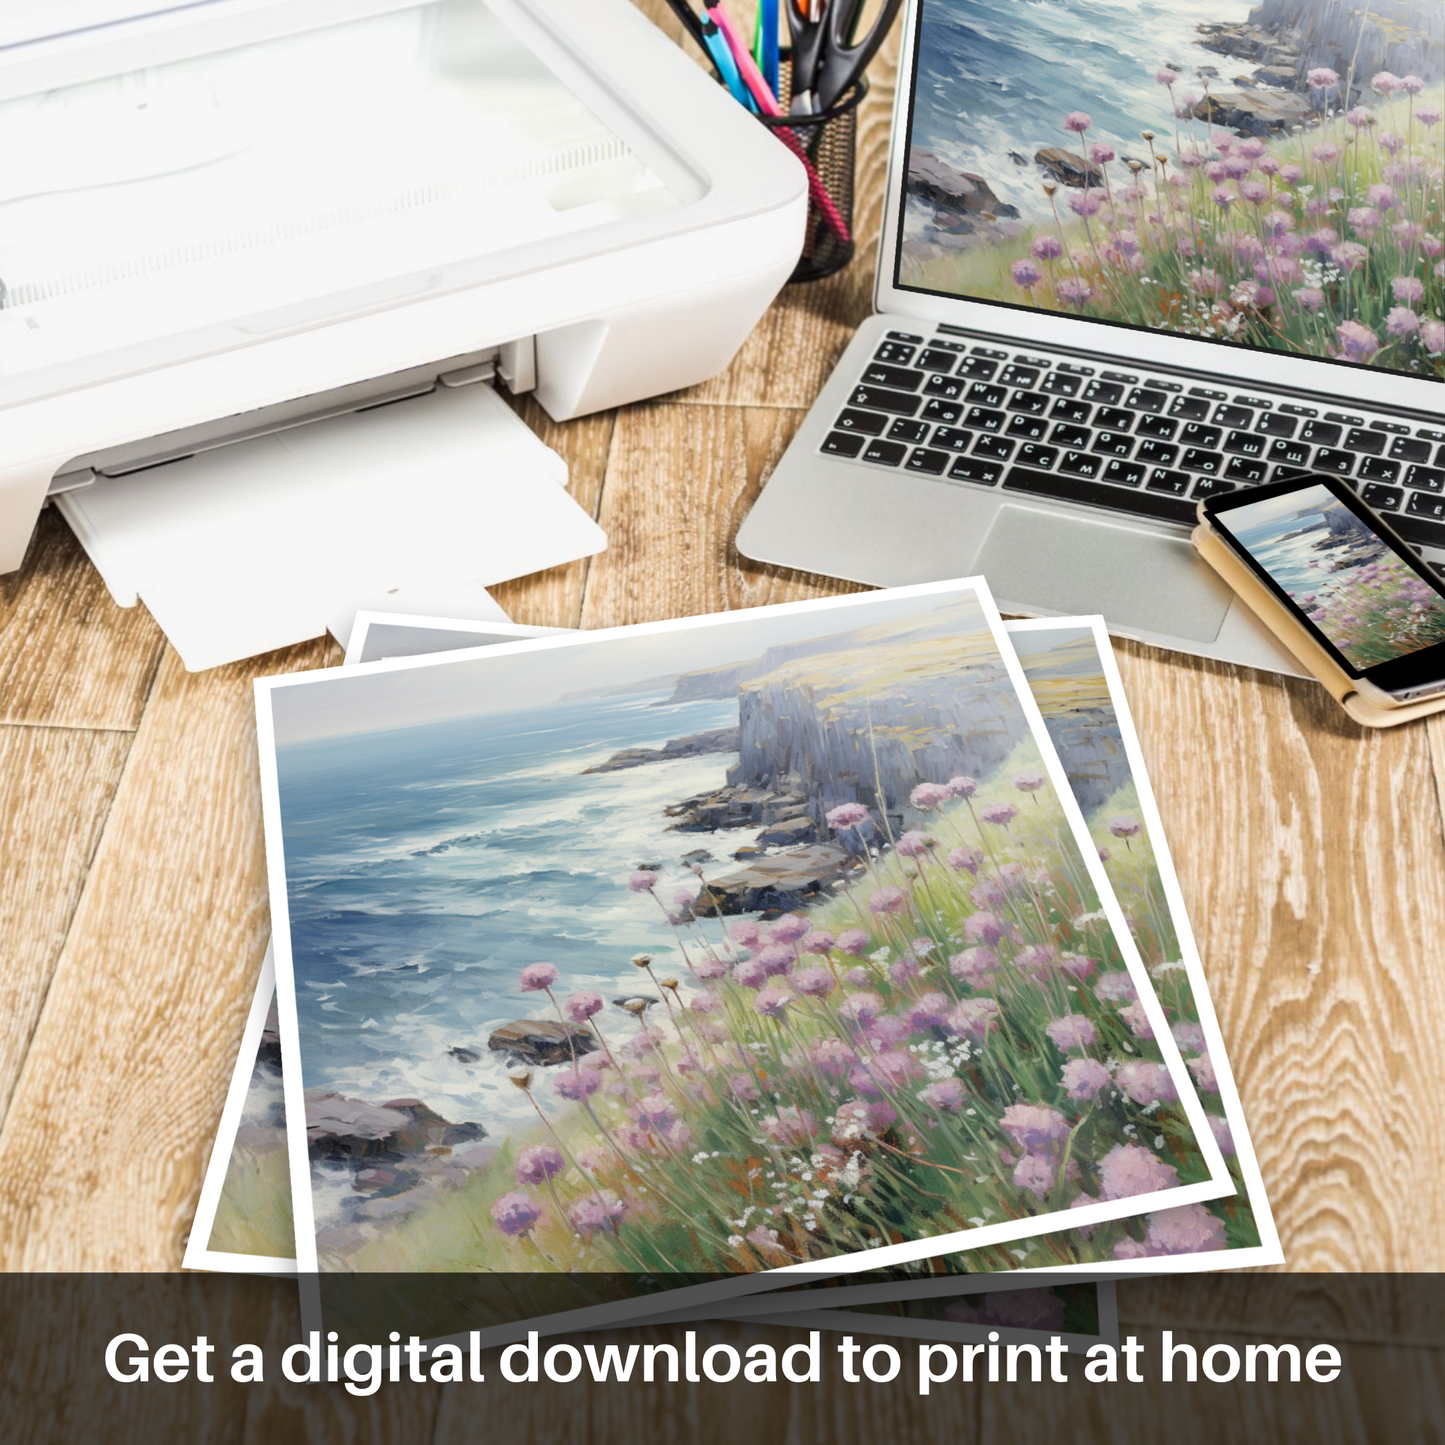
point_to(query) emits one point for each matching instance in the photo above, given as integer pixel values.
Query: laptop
(1131, 259)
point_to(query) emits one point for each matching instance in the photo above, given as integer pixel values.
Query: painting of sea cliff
(705, 950)
(1265, 174)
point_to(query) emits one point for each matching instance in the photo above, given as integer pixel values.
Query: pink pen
(768, 105)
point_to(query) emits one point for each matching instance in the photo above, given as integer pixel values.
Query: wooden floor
(133, 906)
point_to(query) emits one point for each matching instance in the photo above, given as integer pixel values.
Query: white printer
(226, 222)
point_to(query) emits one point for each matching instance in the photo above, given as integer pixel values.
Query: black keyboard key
(984, 395)
(996, 448)
(1074, 411)
(1378, 469)
(1111, 444)
(1440, 457)
(1016, 375)
(1425, 479)
(876, 373)
(1070, 436)
(1235, 416)
(945, 411)
(1189, 408)
(905, 429)
(978, 368)
(1156, 454)
(886, 454)
(981, 419)
(1195, 435)
(1409, 449)
(1332, 459)
(953, 438)
(895, 353)
(1272, 424)
(925, 459)
(1099, 494)
(1289, 453)
(1321, 433)
(1031, 428)
(1034, 403)
(1157, 426)
(1107, 392)
(1196, 459)
(1381, 498)
(1419, 531)
(1113, 418)
(1243, 469)
(1426, 504)
(1081, 464)
(973, 469)
(1124, 474)
(948, 387)
(867, 422)
(1145, 398)
(1060, 383)
(1161, 479)
(878, 398)
(1042, 458)
(1212, 486)
(843, 444)
(1245, 444)
(935, 360)
(1371, 443)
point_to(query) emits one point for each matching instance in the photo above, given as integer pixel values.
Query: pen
(724, 57)
(765, 42)
(689, 19)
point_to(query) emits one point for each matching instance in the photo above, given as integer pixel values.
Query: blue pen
(768, 29)
(727, 67)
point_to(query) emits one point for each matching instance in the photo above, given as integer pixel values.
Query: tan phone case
(1298, 640)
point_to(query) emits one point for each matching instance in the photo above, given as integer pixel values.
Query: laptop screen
(1256, 173)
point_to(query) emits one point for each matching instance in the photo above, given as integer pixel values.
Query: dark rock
(716, 740)
(463, 1133)
(376, 1178)
(350, 1129)
(935, 180)
(539, 1041)
(781, 881)
(464, 1055)
(1017, 159)
(1256, 112)
(698, 855)
(269, 1052)
(1069, 168)
(790, 831)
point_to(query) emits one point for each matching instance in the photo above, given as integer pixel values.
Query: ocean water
(996, 76)
(426, 866)
(1287, 558)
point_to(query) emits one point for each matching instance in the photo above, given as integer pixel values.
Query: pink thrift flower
(1129, 1170)
(1077, 122)
(859, 1119)
(945, 1095)
(833, 1057)
(1223, 1136)
(1165, 76)
(965, 860)
(858, 978)
(973, 1018)
(1026, 274)
(1203, 1070)
(1124, 827)
(1084, 1078)
(962, 787)
(1384, 83)
(984, 928)
(1357, 343)
(1079, 965)
(776, 959)
(928, 797)
(1145, 1082)
(1034, 1174)
(538, 976)
(1291, 175)
(579, 1007)
(1189, 1229)
(1326, 153)
(1361, 117)
(710, 968)
(1000, 813)
(1112, 987)
(515, 1213)
(538, 1163)
(887, 1032)
(814, 982)
(889, 900)
(790, 1127)
(1310, 297)
(1432, 334)
(1047, 248)
(772, 1002)
(596, 1212)
(1428, 115)
(1401, 321)
(577, 1083)
(642, 881)
(1188, 1035)
(1412, 84)
(1130, 1249)
(818, 941)
(928, 1011)
(1086, 203)
(846, 815)
(914, 844)
(1035, 1128)
(789, 928)
(1408, 289)
(853, 941)
(1028, 781)
(1138, 1021)
(750, 973)
(1255, 192)
(1322, 78)
(743, 1088)
(861, 1008)
(745, 932)
(894, 1069)
(973, 963)
(1101, 154)
(1072, 1032)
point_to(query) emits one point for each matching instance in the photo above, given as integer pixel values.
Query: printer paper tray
(417, 506)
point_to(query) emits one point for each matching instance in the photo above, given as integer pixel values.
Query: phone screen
(1360, 591)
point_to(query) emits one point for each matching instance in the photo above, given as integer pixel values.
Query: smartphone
(1341, 571)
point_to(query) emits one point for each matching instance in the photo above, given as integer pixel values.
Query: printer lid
(183, 178)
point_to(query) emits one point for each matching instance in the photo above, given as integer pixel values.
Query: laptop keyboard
(1145, 444)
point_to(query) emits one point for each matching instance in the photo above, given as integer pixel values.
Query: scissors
(828, 56)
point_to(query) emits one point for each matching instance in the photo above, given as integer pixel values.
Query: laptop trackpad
(1072, 565)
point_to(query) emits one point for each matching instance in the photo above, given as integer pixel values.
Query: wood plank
(102, 1150)
(1314, 873)
(69, 657)
(679, 482)
(56, 786)
(554, 598)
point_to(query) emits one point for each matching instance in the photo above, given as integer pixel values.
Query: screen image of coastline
(1265, 174)
(1355, 589)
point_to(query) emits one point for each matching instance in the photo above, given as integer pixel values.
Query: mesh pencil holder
(827, 145)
